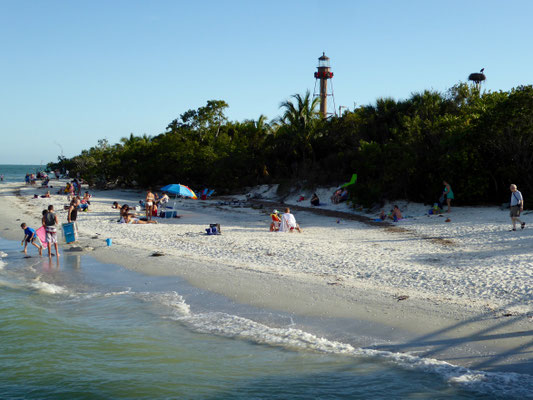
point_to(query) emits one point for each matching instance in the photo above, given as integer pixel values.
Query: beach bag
(214, 229)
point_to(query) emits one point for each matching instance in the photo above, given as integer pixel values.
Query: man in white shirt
(517, 206)
(288, 222)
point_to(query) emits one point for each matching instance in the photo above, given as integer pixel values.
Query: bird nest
(477, 77)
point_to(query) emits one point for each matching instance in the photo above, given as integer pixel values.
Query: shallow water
(81, 329)
(16, 173)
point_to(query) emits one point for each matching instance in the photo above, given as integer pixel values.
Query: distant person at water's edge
(517, 206)
(50, 222)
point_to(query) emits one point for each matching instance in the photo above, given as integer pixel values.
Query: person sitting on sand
(383, 215)
(396, 214)
(29, 237)
(288, 222)
(276, 219)
(124, 210)
(85, 202)
(163, 200)
(343, 196)
(115, 205)
(315, 201)
(336, 196)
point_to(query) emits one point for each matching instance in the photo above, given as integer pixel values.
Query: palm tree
(298, 123)
(300, 115)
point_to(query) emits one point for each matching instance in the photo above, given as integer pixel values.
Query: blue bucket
(109, 241)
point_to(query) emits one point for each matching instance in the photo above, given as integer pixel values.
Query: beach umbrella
(179, 190)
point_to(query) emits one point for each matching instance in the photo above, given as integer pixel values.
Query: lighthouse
(323, 73)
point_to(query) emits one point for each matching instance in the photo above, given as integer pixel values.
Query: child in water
(29, 237)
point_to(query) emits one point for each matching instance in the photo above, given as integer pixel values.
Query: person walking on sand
(149, 204)
(50, 222)
(517, 206)
(29, 237)
(448, 194)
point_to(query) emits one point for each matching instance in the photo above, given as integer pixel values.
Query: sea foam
(48, 288)
(233, 326)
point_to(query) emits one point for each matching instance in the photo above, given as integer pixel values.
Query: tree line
(479, 142)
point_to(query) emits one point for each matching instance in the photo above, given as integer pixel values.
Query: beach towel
(41, 234)
(288, 222)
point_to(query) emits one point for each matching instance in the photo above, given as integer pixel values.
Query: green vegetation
(479, 142)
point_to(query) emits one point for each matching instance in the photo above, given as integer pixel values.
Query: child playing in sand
(276, 220)
(29, 237)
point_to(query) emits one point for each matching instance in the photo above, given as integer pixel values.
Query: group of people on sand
(153, 202)
(395, 214)
(339, 196)
(128, 216)
(516, 206)
(283, 222)
(49, 222)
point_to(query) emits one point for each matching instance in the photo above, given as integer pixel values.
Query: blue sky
(75, 72)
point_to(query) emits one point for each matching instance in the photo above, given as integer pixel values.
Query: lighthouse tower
(323, 74)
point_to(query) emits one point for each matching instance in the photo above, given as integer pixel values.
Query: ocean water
(16, 173)
(80, 329)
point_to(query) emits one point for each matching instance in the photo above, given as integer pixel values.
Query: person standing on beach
(149, 204)
(448, 194)
(50, 222)
(73, 210)
(517, 206)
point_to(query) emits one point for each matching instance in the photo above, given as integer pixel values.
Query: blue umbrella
(179, 190)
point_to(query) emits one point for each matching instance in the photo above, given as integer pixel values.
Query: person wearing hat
(276, 220)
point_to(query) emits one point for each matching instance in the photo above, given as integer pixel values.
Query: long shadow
(438, 345)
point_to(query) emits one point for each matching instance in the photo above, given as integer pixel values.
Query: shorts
(149, 204)
(51, 236)
(30, 240)
(515, 211)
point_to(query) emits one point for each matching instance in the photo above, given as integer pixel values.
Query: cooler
(169, 213)
(69, 232)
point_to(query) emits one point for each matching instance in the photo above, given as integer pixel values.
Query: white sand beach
(458, 291)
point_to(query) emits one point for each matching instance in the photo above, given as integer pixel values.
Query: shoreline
(429, 326)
